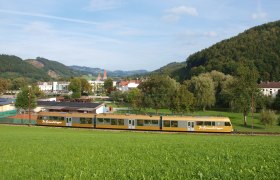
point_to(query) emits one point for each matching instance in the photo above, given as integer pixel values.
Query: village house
(270, 88)
(127, 85)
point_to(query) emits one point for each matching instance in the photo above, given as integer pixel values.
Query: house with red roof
(270, 88)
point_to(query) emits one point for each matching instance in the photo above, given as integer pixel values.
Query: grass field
(61, 153)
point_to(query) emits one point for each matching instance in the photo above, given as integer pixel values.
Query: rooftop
(269, 85)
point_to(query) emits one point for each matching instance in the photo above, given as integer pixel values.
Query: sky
(124, 34)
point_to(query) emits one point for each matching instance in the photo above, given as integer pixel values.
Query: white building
(270, 88)
(54, 87)
(7, 105)
(45, 86)
(127, 85)
(97, 86)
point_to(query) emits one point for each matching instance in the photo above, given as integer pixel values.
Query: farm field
(65, 153)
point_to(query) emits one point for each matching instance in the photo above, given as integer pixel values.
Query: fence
(5, 118)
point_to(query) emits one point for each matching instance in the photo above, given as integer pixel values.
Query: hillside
(260, 44)
(14, 67)
(117, 73)
(175, 70)
(53, 68)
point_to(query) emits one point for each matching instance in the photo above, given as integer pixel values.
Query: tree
(75, 87)
(134, 98)
(268, 117)
(244, 88)
(5, 84)
(38, 93)
(276, 102)
(156, 91)
(182, 100)
(108, 85)
(204, 91)
(18, 83)
(23, 97)
(117, 96)
(85, 86)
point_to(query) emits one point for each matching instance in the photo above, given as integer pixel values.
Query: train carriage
(137, 122)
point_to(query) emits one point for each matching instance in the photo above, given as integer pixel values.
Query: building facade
(270, 88)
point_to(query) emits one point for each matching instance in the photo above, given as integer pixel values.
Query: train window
(155, 122)
(227, 123)
(213, 123)
(147, 122)
(174, 123)
(83, 120)
(166, 124)
(107, 121)
(89, 120)
(199, 123)
(120, 122)
(100, 120)
(140, 122)
(207, 123)
(113, 122)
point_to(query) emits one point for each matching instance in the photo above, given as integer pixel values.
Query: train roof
(134, 116)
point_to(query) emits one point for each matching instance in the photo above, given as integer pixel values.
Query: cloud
(175, 14)
(183, 10)
(259, 16)
(99, 5)
(39, 28)
(210, 34)
(80, 21)
(171, 18)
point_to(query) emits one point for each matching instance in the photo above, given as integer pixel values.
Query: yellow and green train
(136, 122)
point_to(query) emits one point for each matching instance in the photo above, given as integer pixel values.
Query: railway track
(163, 132)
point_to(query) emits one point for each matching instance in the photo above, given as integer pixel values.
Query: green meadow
(65, 153)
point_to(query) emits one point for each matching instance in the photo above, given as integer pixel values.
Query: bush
(268, 117)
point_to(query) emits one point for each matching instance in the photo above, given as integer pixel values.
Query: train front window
(227, 124)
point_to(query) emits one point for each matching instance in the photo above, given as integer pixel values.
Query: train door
(68, 121)
(131, 124)
(190, 126)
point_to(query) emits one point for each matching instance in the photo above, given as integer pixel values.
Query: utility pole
(29, 104)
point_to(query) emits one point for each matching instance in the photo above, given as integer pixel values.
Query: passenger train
(136, 122)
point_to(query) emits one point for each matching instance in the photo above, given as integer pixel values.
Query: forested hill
(117, 73)
(13, 67)
(260, 44)
(53, 68)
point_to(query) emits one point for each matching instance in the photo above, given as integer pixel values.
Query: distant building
(7, 104)
(99, 78)
(127, 85)
(63, 107)
(54, 87)
(270, 88)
